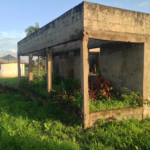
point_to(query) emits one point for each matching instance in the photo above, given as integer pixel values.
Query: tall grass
(11, 81)
(28, 125)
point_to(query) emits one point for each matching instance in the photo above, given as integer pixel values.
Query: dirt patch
(7, 89)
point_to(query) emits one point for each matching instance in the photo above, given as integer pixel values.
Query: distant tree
(36, 61)
(42, 60)
(32, 29)
(26, 65)
(33, 63)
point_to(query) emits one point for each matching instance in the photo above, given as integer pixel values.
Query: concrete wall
(106, 18)
(11, 70)
(63, 65)
(70, 64)
(56, 63)
(122, 65)
(115, 115)
(77, 64)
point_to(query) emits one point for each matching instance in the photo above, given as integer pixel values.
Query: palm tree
(32, 29)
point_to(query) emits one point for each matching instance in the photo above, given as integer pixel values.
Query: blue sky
(17, 15)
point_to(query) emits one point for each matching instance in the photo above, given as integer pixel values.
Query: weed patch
(28, 125)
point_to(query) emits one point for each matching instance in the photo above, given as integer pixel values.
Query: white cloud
(8, 44)
(13, 51)
(8, 40)
(144, 4)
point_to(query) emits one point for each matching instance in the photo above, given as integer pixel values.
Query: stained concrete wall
(146, 79)
(56, 64)
(122, 65)
(106, 18)
(65, 28)
(63, 66)
(70, 64)
(115, 115)
(77, 65)
(90, 17)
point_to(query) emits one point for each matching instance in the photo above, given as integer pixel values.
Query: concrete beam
(49, 71)
(118, 36)
(84, 54)
(73, 46)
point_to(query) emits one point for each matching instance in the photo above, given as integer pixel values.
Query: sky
(17, 15)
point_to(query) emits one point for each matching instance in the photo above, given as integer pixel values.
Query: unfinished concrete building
(123, 37)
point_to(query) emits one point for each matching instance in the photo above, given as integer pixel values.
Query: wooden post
(49, 71)
(19, 71)
(84, 53)
(30, 70)
(38, 66)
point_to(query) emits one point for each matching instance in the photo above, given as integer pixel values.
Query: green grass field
(12, 82)
(26, 125)
(42, 72)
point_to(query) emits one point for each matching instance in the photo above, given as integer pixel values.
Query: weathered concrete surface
(30, 70)
(63, 65)
(70, 64)
(57, 64)
(116, 115)
(75, 46)
(122, 65)
(99, 21)
(126, 65)
(104, 18)
(49, 71)
(77, 65)
(146, 79)
(65, 28)
(84, 54)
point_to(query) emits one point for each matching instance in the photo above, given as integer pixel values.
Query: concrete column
(70, 64)
(146, 79)
(63, 65)
(84, 79)
(53, 63)
(77, 65)
(19, 71)
(46, 65)
(38, 66)
(57, 63)
(67, 66)
(30, 70)
(49, 71)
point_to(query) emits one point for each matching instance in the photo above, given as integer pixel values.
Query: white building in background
(9, 66)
